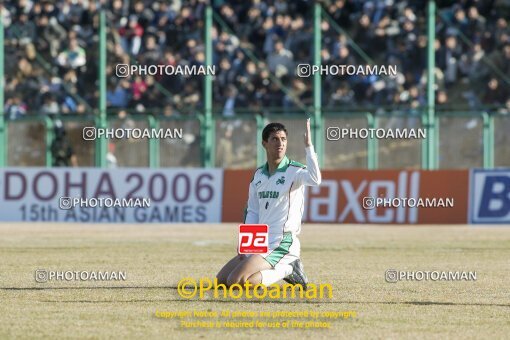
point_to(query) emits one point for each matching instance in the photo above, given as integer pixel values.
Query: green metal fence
(465, 139)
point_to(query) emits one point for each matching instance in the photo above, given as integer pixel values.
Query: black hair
(272, 127)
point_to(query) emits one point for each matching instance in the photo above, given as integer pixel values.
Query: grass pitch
(353, 259)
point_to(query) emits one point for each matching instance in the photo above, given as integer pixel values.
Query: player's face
(276, 145)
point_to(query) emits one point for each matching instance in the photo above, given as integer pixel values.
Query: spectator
(138, 88)
(230, 103)
(74, 57)
(494, 93)
(448, 58)
(131, 35)
(280, 61)
(15, 108)
(23, 30)
(118, 95)
(50, 106)
(169, 111)
(343, 96)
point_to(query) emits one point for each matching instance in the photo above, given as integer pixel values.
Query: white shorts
(284, 249)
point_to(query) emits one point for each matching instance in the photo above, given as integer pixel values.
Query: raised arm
(311, 175)
(251, 213)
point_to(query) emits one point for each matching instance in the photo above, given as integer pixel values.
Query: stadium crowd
(51, 53)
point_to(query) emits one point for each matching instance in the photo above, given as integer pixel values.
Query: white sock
(285, 268)
(280, 271)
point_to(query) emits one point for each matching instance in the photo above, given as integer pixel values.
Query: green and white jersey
(278, 200)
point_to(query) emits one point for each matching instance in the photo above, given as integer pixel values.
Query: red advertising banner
(364, 196)
(235, 194)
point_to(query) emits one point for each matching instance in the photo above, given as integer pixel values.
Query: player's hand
(308, 136)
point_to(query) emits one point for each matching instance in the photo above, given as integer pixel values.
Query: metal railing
(464, 139)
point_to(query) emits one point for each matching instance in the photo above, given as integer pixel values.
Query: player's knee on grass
(246, 269)
(256, 278)
(234, 278)
(242, 278)
(228, 268)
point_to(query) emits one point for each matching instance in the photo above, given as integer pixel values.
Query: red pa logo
(253, 238)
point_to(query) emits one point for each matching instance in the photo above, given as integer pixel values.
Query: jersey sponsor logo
(258, 183)
(281, 180)
(269, 194)
(490, 196)
(253, 239)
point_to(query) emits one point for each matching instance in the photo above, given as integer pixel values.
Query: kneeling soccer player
(276, 198)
